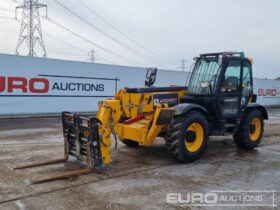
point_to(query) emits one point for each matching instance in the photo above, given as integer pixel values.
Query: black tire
(130, 143)
(168, 134)
(176, 136)
(244, 137)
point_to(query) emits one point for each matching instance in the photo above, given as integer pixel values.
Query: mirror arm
(211, 89)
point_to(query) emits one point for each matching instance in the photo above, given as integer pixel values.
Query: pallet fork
(81, 140)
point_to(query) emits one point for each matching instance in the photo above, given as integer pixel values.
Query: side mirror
(248, 90)
(204, 84)
(151, 76)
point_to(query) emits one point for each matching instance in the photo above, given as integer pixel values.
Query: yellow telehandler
(219, 100)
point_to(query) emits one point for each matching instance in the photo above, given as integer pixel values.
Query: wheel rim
(255, 133)
(194, 145)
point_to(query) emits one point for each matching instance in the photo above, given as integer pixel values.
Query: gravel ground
(138, 178)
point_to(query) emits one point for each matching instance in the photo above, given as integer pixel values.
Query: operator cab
(222, 83)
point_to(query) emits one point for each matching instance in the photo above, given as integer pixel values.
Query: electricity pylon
(31, 30)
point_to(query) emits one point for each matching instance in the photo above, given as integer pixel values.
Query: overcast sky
(169, 30)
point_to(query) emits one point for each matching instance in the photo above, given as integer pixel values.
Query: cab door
(247, 83)
(230, 93)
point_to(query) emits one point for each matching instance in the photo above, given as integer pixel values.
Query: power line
(6, 45)
(52, 37)
(104, 33)
(68, 44)
(7, 10)
(85, 39)
(127, 47)
(48, 35)
(120, 31)
(65, 43)
(94, 44)
(74, 47)
(108, 61)
(66, 53)
(8, 18)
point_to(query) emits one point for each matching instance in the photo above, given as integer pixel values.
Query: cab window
(231, 82)
(246, 80)
(247, 88)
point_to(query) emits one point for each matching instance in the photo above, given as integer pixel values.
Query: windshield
(205, 70)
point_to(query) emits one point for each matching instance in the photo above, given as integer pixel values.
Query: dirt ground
(138, 178)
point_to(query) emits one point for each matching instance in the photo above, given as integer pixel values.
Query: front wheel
(187, 136)
(250, 131)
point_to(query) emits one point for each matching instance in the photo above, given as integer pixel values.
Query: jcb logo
(34, 85)
(156, 102)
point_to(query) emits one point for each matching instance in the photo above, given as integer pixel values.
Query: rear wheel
(187, 136)
(130, 143)
(250, 131)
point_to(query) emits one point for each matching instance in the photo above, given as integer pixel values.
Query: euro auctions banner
(268, 91)
(43, 85)
(37, 85)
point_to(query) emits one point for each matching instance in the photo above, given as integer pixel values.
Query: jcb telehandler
(219, 100)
